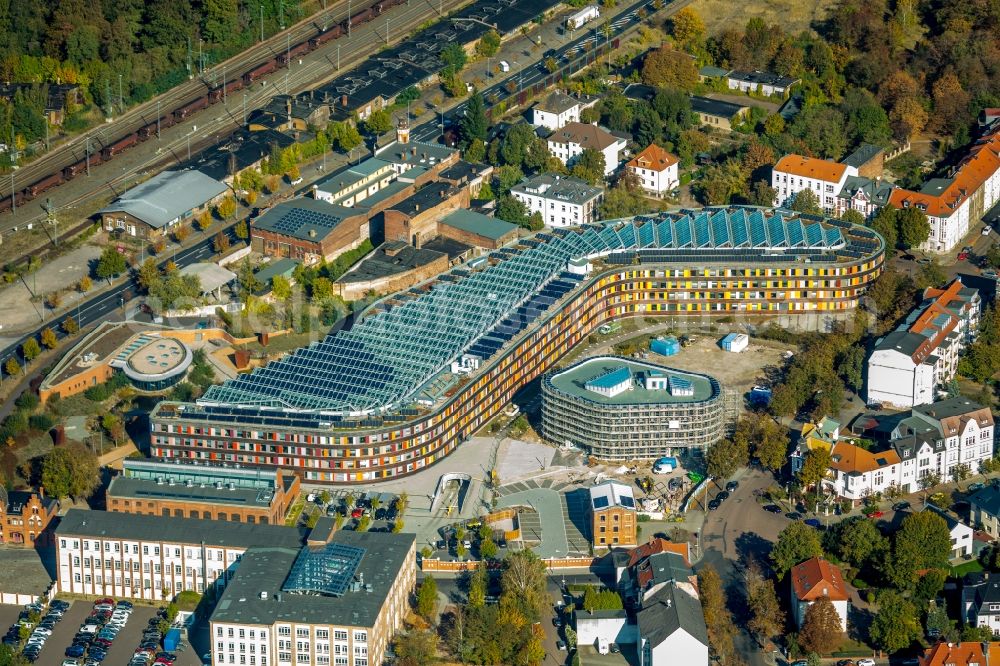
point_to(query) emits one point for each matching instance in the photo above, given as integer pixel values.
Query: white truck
(585, 15)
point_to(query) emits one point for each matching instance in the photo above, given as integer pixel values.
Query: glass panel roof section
(381, 363)
(328, 570)
(702, 237)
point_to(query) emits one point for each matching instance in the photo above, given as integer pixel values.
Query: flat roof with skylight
(618, 381)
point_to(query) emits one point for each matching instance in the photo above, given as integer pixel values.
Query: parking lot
(121, 649)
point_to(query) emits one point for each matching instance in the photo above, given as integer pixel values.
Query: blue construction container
(668, 346)
(172, 640)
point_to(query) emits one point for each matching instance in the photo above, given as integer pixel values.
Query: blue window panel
(776, 231)
(702, 235)
(682, 232)
(796, 236)
(610, 237)
(738, 223)
(647, 234)
(834, 237)
(627, 234)
(814, 234)
(758, 229)
(720, 229)
(664, 234)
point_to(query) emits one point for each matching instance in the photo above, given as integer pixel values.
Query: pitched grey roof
(265, 570)
(669, 610)
(715, 107)
(562, 188)
(105, 524)
(987, 499)
(166, 196)
(877, 191)
(557, 102)
(766, 78)
(863, 154)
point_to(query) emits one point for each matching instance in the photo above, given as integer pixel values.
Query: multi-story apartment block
(382, 400)
(795, 173)
(929, 439)
(152, 557)
(563, 201)
(569, 142)
(655, 169)
(955, 204)
(909, 364)
(25, 517)
(335, 602)
(203, 491)
(864, 195)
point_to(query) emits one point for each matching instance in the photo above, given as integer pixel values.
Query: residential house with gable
(665, 623)
(559, 109)
(985, 509)
(980, 602)
(960, 533)
(909, 364)
(817, 579)
(655, 169)
(967, 653)
(569, 142)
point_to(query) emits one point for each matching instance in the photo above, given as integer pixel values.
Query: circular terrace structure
(154, 363)
(618, 409)
(422, 370)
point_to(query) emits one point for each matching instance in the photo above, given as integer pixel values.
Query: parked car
(813, 522)
(866, 662)
(772, 508)
(973, 487)
(875, 515)
(732, 486)
(901, 506)
(714, 504)
(722, 496)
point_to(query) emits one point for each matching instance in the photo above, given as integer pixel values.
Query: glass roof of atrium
(328, 570)
(381, 363)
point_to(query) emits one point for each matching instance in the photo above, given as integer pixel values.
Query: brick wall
(470, 238)
(351, 291)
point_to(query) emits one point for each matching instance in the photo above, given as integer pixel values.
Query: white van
(504, 66)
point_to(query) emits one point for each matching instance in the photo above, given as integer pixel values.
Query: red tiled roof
(975, 169)
(654, 546)
(653, 157)
(960, 654)
(816, 578)
(810, 167)
(942, 297)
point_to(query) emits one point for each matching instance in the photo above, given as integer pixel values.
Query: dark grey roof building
(667, 624)
(349, 588)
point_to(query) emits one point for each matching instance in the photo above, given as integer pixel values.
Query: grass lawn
(968, 567)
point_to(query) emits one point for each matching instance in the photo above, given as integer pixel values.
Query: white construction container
(579, 18)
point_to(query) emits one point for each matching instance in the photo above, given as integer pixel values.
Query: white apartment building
(336, 602)
(909, 364)
(655, 169)
(563, 201)
(954, 205)
(559, 109)
(930, 439)
(795, 173)
(152, 557)
(569, 142)
(354, 184)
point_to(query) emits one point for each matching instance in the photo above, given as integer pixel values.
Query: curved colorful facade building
(426, 368)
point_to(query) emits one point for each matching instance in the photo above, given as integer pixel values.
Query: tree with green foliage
(415, 647)
(895, 624)
(858, 541)
(12, 367)
(111, 263)
(453, 56)
(668, 68)
(767, 618)
(426, 602)
(815, 467)
(914, 227)
(378, 122)
(70, 470)
(726, 456)
(344, 136)
(281, 288)
(922, 542)
(596, 599)
(589, 166)
(796, 543)
(511, 210)
(241, 230)
(523, 580)
(806, 202)
(852, 216)
(488, 44)
(473, 124)
(886, 224)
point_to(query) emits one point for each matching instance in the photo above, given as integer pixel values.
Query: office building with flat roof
(211, 492)
(336, 601)
(618, 409)
(102, 553)
(383, 399)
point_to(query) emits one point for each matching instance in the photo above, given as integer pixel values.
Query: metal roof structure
(166, 197)
(385, 361)
(328, 570)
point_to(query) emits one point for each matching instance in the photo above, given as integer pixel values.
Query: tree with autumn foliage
(668, 68)
(687, 28)
(822, 631)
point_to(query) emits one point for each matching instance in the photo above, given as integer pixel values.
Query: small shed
(665, 346)
(735, 342)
